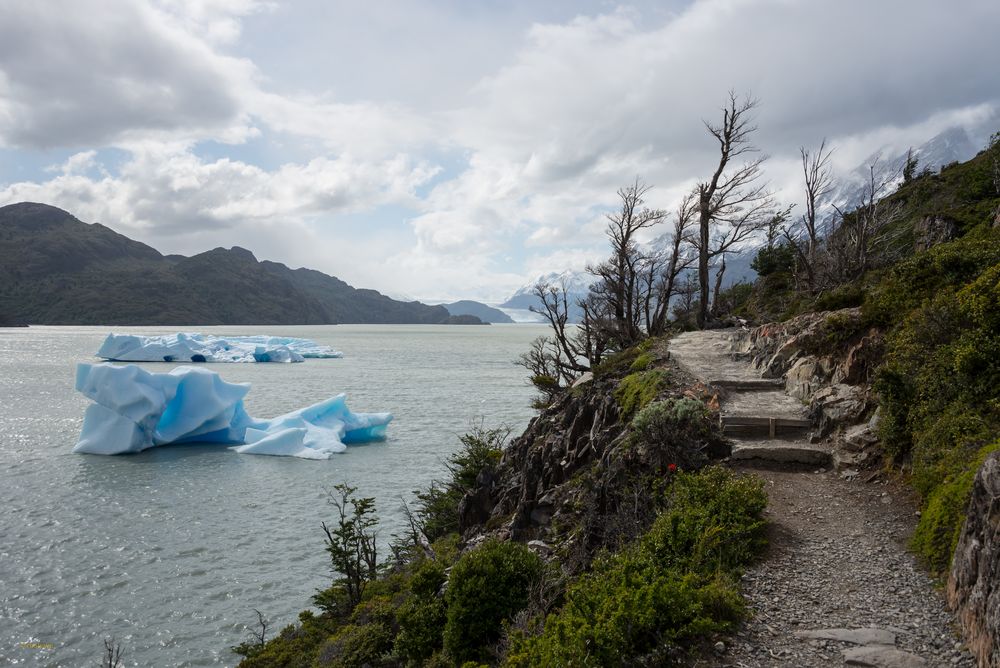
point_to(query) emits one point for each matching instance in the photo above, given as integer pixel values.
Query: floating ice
(184, 347)
(135, 409)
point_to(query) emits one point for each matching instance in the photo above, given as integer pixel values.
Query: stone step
(748, 384)
(781, 452)
(749, 425)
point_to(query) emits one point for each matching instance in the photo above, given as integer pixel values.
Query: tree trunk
(718, 287)
(704, 219)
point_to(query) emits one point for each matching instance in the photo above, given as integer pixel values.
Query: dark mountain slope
(55, 269)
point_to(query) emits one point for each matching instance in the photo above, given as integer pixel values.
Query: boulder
(974, 582)
(838, 405)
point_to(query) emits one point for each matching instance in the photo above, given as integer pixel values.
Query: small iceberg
(135, 410)
(184, 347)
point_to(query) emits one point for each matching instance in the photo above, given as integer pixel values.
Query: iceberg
(184, 347)
(135, 410)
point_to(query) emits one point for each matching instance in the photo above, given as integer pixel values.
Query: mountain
(478, 309)
(55, 269)
(577, 285)
(952, 145)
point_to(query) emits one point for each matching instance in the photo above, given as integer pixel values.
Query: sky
(456, 148)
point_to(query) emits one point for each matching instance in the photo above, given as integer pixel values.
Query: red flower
(672, 468)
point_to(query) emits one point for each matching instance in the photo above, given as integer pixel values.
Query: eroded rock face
(933, 230)
(974, 584)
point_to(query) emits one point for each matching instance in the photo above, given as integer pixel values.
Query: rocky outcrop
(933, 230)
(974, 584)
(827, 360)
(575, 478)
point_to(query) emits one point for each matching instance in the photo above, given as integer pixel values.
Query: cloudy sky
(449, 148)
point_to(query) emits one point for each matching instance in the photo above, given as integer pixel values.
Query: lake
(170, 550)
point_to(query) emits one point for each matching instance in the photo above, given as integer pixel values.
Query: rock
(476, 506)
(974, 582)
(803, 379)
(858, 437)
(720, 647)
(838, 405)
(584, 378)
(881, 656)
(540, 547)
(933, 230)
(868, 636)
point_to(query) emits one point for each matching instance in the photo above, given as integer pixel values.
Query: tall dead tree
(677, 262)
(818, 178)
(732, 203)
(867, 237)
(621, 276)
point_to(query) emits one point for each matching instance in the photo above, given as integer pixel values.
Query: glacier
(135, 410)
(191, 347)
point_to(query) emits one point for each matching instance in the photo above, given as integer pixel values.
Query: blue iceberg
(135, 409)
(190, 347)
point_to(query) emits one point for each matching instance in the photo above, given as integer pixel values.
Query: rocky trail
(837, 586)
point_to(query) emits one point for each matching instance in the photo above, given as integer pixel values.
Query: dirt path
(837, 585)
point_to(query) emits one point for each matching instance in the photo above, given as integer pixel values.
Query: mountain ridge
(58, 270)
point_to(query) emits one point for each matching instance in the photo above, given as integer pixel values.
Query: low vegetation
(655, 592)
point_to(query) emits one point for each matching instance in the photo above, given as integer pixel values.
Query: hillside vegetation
(938, 303)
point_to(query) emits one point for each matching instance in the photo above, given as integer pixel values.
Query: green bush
(637, 389)
(422, 616)
(642, 362)
(437, 506)
(944, 513)
(643, 605)
(487, 587)
(677, 427)
(844, 296)
(354, 646)
(779, 258)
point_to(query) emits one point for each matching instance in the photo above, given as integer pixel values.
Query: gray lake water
(170, 550)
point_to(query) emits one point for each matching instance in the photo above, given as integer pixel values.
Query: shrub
(637, 389)
(844, 296)
(354, 646)
(944, 513)
(422, 616)
(678, 428)
(487, 587)
(437, 507)
(675, 585)
(774, 259)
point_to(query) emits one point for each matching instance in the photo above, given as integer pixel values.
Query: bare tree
(574, 348)
(732, 202)
(679, 260)
(114, 654)
(621, 275)
(866, 237)
(818, 178)
(259, 632)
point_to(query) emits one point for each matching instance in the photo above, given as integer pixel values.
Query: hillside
(55, 269)
(478, 309)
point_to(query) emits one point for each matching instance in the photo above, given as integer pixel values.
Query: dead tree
(621, 275)
(114, 654)
(818, 178)
(733, 202)
(679, 260)
(867, 237)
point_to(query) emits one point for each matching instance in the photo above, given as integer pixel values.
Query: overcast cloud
(450, 149)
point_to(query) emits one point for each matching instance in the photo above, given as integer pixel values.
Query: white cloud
(540, 123)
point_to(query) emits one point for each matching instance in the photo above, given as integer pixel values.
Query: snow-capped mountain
(952, 145)
(577, 286)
